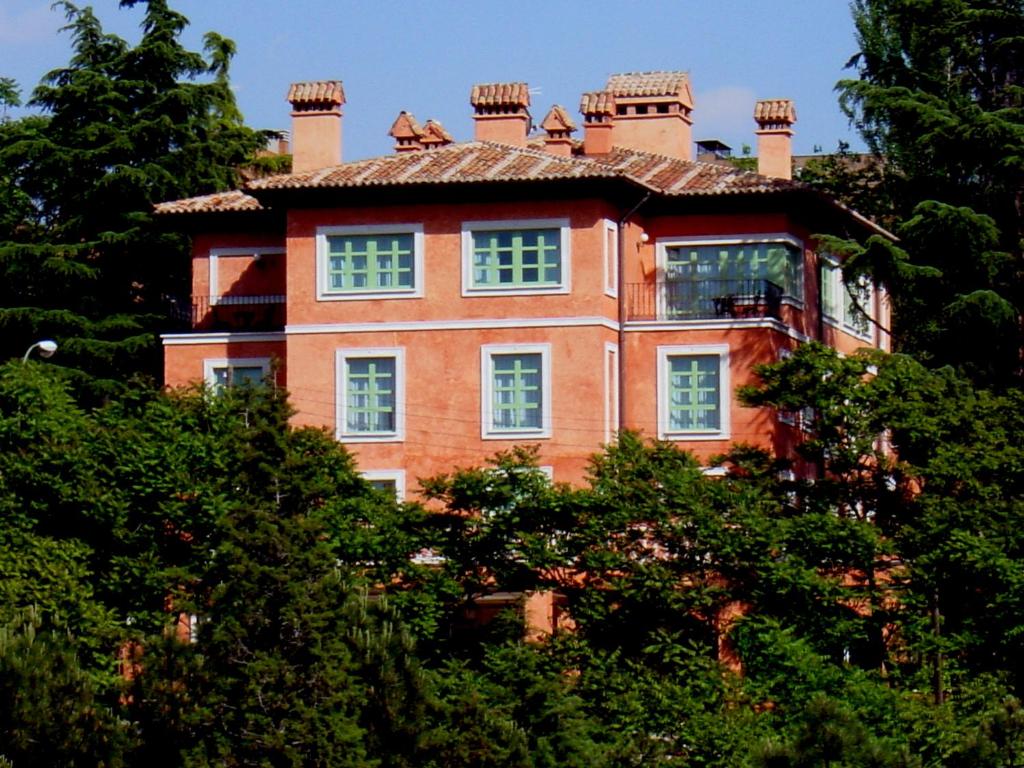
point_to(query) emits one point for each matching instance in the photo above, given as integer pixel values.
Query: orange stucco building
(449, 300)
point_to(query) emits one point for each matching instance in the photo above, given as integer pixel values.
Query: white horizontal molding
(455, 325)
(188, 339)
(634, 326)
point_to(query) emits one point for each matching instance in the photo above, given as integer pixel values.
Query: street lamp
(46, 348)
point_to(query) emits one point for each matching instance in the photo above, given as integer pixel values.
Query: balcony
(231, 313)
(703, 300)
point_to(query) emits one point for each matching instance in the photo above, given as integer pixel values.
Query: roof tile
(500, 95)
(775, 111)
(656, 84)
(317, 92)
(597, 103)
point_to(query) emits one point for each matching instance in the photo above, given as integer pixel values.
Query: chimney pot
(316, 124)
(775, 118)
(501, 112)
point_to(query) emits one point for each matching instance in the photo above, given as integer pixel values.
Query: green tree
(937, 96)
(124, 127)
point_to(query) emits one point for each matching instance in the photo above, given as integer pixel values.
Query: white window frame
(610, 362)
(487, 353)
(564, 246)
(214, 271)
(662, 244)
(397, 475)
(211, 364)
(342, 356)
(611, 257)
(724, 391)
(323, 293)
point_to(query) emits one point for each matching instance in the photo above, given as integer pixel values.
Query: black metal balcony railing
(231, 313)
(703, 299)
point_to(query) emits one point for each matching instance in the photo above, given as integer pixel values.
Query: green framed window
(362, 262)
(694, 395)
(516, 391)
(370, 394)
(693, 392)
(370, 262)
(515, 257)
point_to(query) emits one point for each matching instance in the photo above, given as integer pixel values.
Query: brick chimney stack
(598, 110)
(775, 118)
(316, 124)
(501, 112)
(653, 112)
(558, 126)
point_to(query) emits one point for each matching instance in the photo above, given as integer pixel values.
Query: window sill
(540, 290)
(413, 293)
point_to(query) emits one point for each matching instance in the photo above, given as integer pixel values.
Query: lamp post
(46, 348)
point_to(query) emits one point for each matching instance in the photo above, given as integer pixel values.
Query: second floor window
(515, 257)
(842, 304)
(515, 391)
(369, 262)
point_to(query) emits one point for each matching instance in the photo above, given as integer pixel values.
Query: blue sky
(423, 56)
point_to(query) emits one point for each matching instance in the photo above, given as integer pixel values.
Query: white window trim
(565, 238)
(398, 475)
(214, 266)
(211, 364)
(611, 260)
(662, 244)
(341, 399)
(610, 362)
(487, 351)
(724, 391)
(418, 274)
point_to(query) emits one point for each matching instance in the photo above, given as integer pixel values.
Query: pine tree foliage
(122, 127)
(938, 96)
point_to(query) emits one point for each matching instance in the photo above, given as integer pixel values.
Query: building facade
(450, 300)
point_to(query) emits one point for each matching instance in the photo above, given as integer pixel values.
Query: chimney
(406, 132)
(558, 125)
(775, 118)
(652, 112)
(316, 124)
(434, 135)
(598, 110)
(501, 112)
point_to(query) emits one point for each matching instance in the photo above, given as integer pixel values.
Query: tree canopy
(119, 128)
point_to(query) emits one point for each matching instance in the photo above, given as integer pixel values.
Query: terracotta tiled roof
(478, 162)
(597, 103)
(657, 84)
(500, 95)
(775, 111)
(558, 120)
(472, 162)
(317, 92)
(236, 200)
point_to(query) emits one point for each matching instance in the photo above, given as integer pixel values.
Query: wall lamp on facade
(46, 348)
